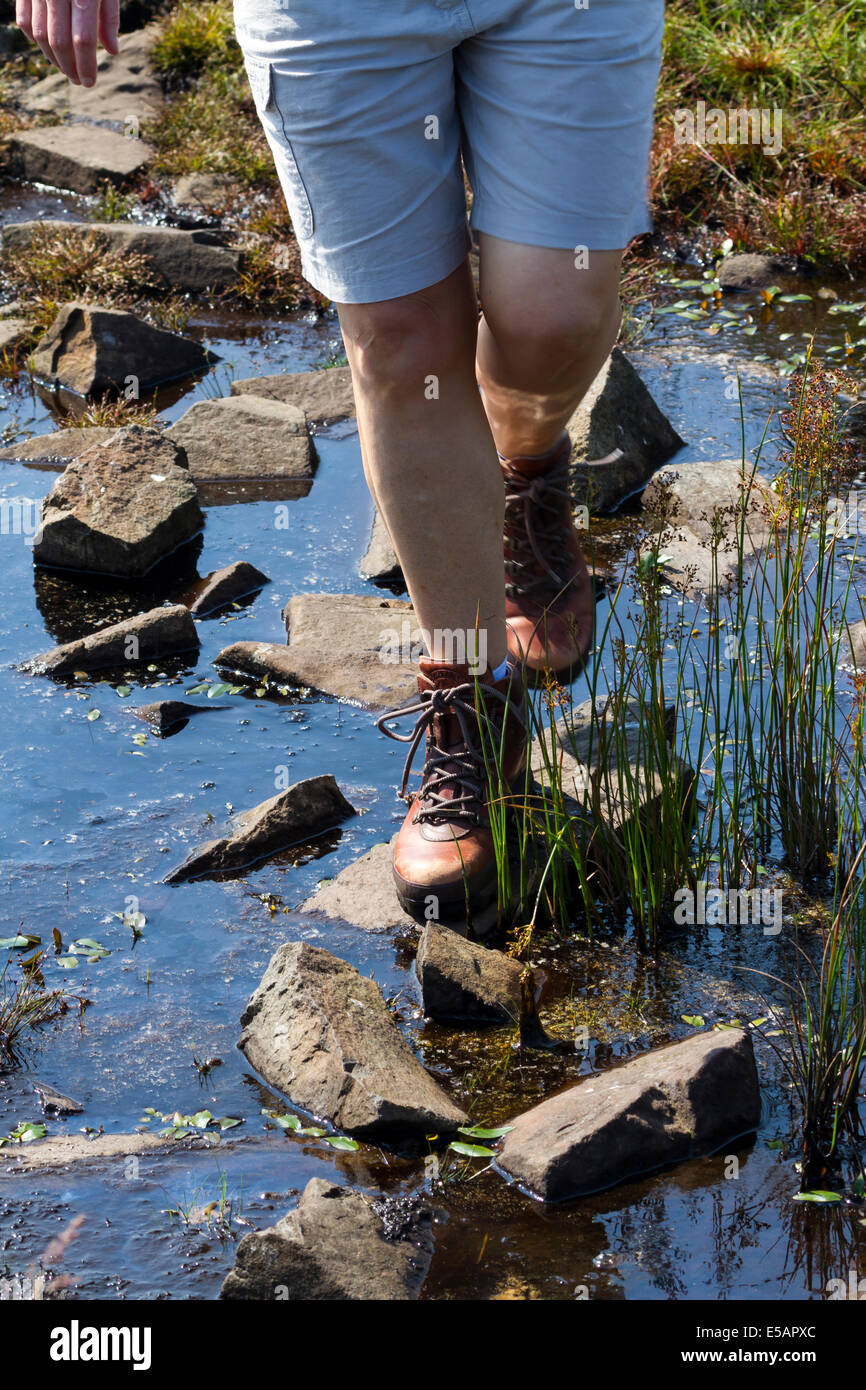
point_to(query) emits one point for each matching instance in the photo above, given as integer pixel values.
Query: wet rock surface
(90, 350)
(750, 271)
(245, 438)
(322, 1034)
(224, 586)
(183, 261)
(617, 414)
(324, 395)
(77, 157)
(164, 716)
(380, 563)
(293, 816)
(120, 507)
(666, 1106)
(148, 637)
(462, 980)
(354, 647)
(690, 502)
(336, 1245)
(13, 331)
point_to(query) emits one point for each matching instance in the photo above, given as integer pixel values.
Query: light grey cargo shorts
(368, 106)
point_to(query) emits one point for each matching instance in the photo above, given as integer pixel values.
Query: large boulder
(460, 979)
(359, 648)
(324, 395)
(336, 1246)
(90, 350)
(77, 157)
(748, 270)
(148, 638)
(671, 1104)
(618, 437)
(184, 261)
(688, 504)
(299, 813)
(380, 562)
(322, 1034)
(120, 507)
(243, 438)
(127, 89)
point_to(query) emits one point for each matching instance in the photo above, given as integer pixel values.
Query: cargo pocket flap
(261, 82)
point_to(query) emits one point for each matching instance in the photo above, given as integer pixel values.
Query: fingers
(39, 27)
(23, 16)
(84, 31)
(60, 39)
(109, 24)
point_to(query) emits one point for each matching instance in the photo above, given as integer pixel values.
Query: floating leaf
(694, 1020)
(199, 689)
(221, 688)
(93, 714)
(795, 299)
(817, 1195)
(846, 308)
(472, 1150)
(228, 1121)
(18, 943)
(479, 1132)
(122, 691)
(342, 1141)
(67, 962)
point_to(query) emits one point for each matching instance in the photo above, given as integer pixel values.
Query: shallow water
(91, 822)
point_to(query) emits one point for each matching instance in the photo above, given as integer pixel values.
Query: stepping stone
(150, 638)
(245, 439)
(748, 271)
(671, 1104)
(13, 331)
(126, 88)
(53, 1102)
(225, 586)
(120, 507)
(208, 193)
(617, 413)
(462, 980)
(163, 716)
(185, 261)
(90, 351)
(380, 563)
(60, 447)
(292, 817)
(363, 894)
(324, 396)
(334, 1246)
(77, 157)
(62, 1150)
(685, 499)
(322, 1034)
(358, 648)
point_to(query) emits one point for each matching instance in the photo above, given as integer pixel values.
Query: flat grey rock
(380, 563)
(77, 157)
(13, 331)
(127, 89)
(244, 438)
(183, 261)
(293, 816)
(671, 1104)
(161, 716)
(149, 637)
(59, 447)
(363, 894)
(324, 395)
(750, 271)
(333, 1247)
(322, 1034)
(358, 648)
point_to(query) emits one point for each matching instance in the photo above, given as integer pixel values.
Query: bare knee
(552, 342)
(399, 346)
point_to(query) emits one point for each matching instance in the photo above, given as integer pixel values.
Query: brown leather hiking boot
(549, 592)
(444, 850)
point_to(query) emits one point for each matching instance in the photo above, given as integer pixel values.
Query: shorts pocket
(262, 81)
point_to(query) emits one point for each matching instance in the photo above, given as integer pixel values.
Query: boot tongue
(442, 675)
(535, 465)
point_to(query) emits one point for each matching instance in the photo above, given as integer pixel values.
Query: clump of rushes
(26, 1005)
(805, 59)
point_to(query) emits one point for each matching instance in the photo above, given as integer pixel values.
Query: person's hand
(68, 31)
